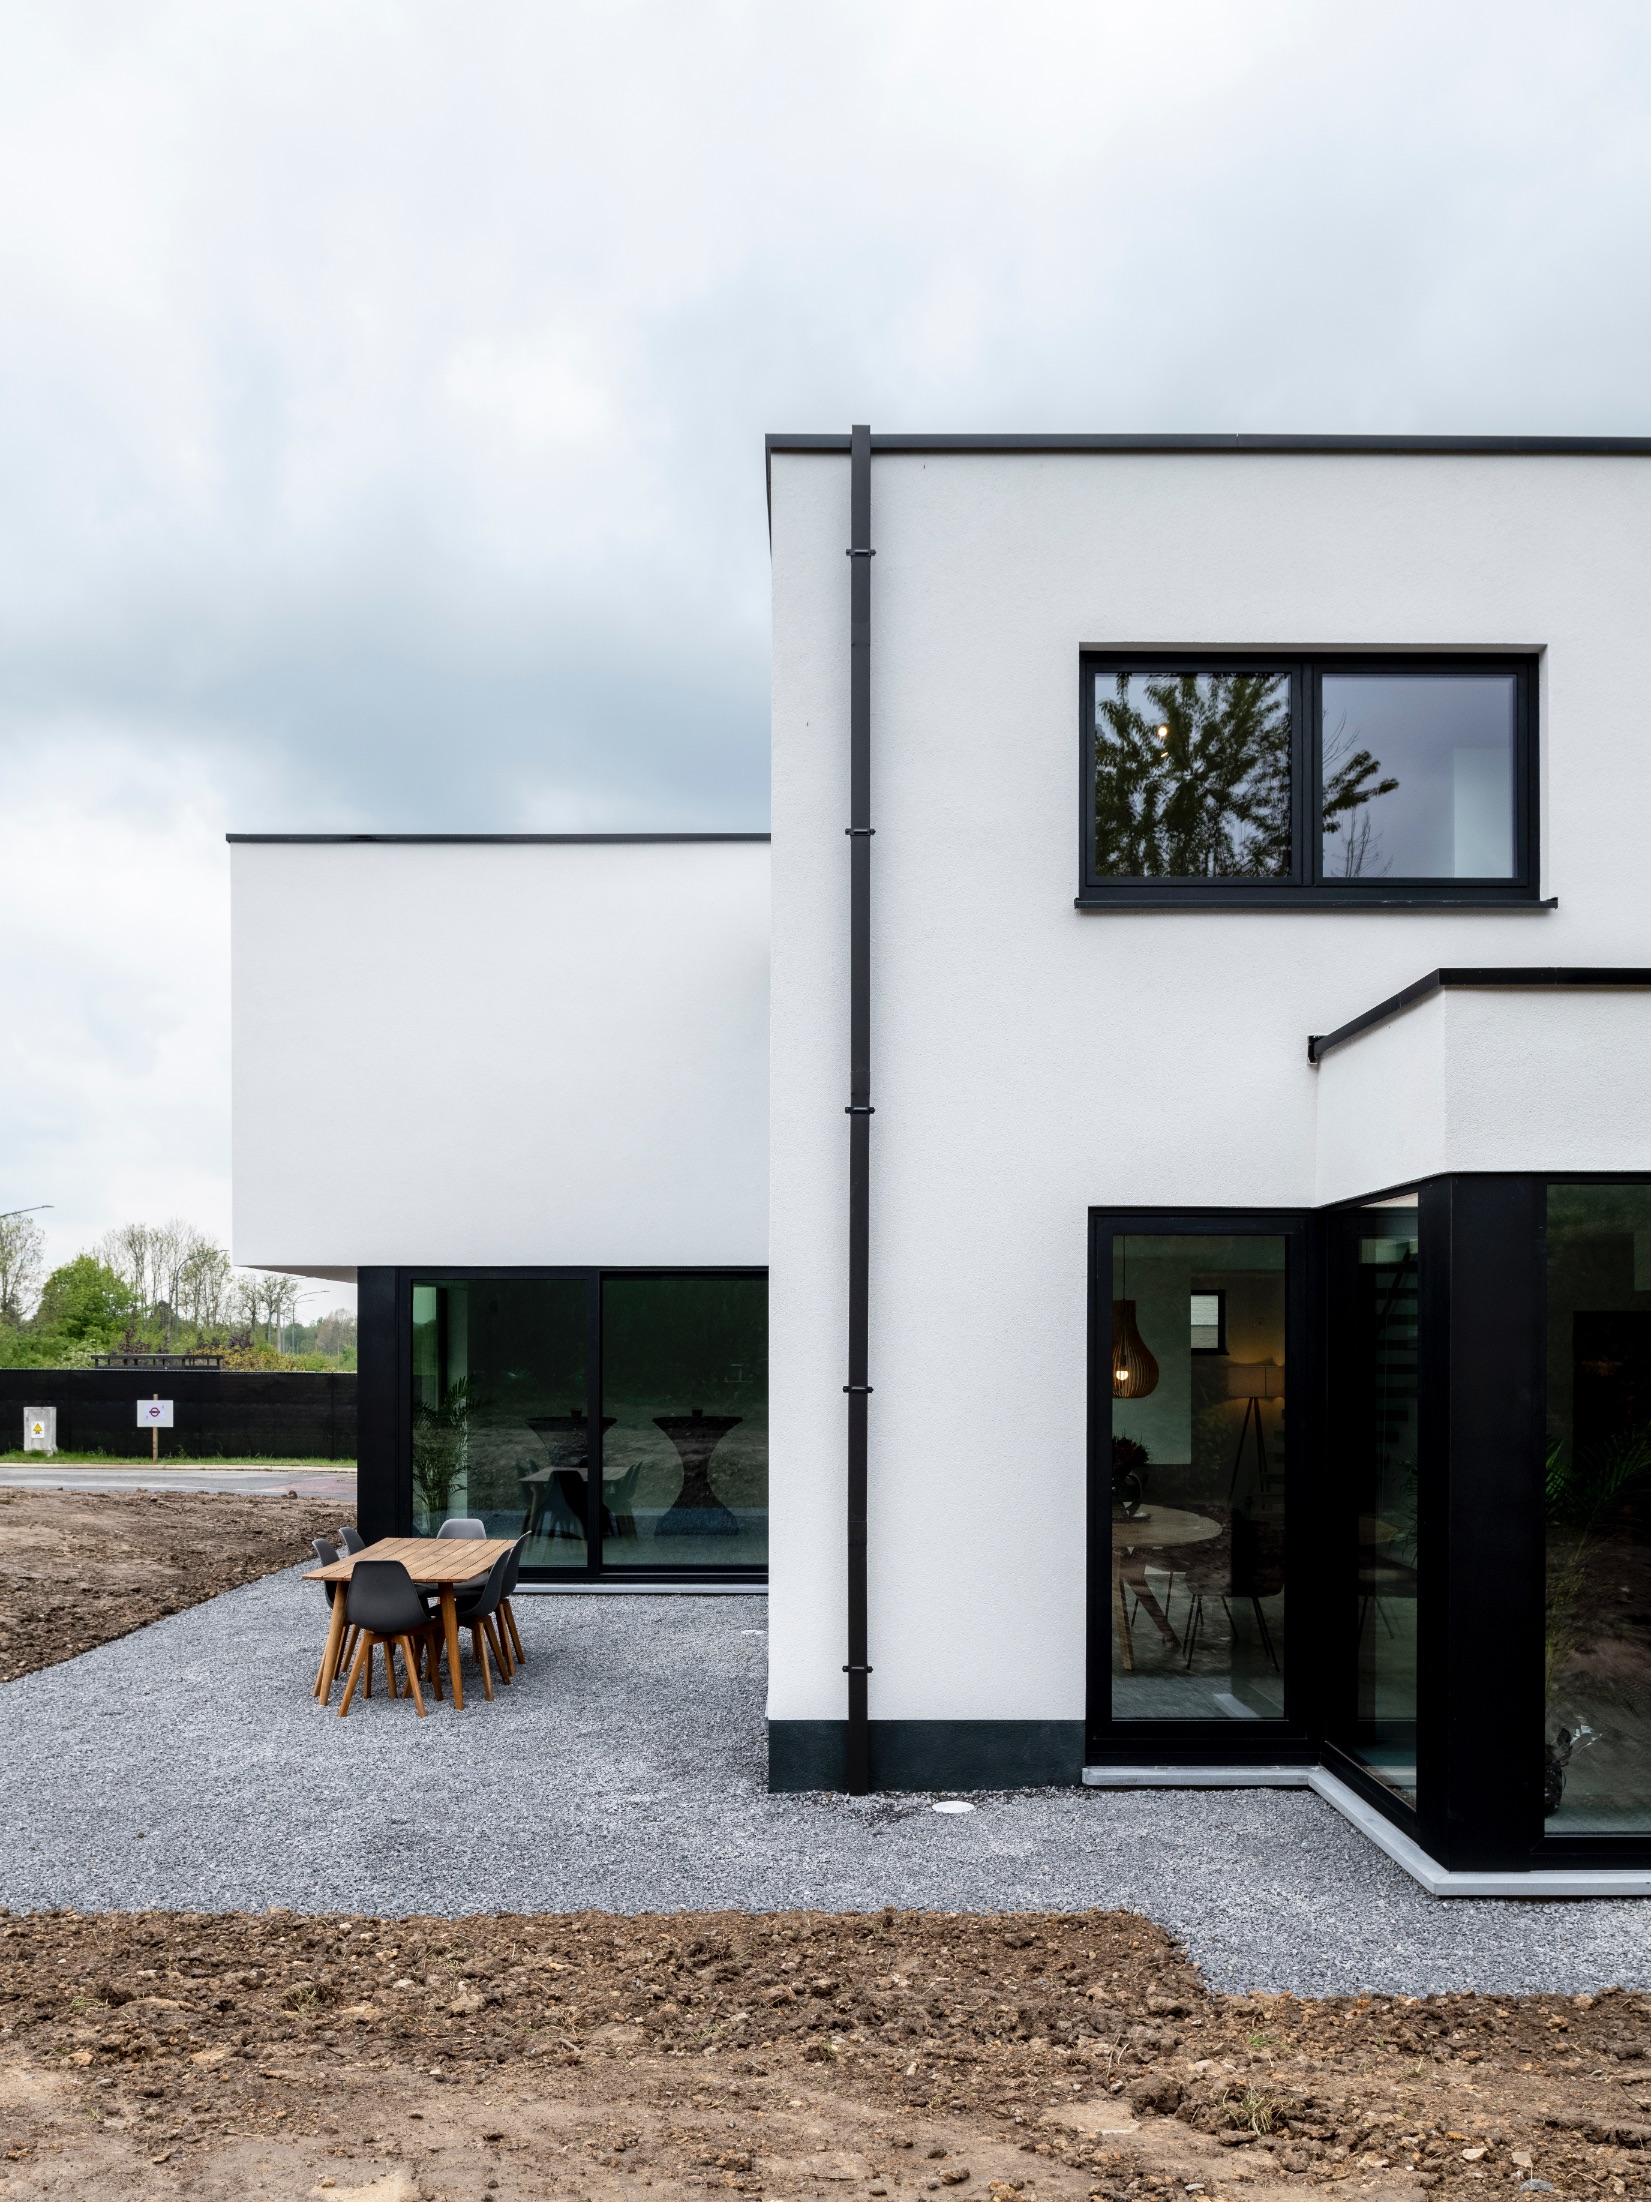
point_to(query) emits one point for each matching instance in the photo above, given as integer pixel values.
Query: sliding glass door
(617, 1421)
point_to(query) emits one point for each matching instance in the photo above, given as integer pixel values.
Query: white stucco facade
(533, 1052)
(1469, 1080)
(1032, 1060)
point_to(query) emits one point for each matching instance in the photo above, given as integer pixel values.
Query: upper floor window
(1329, 780)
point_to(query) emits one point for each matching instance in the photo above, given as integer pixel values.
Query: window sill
(1308, 898)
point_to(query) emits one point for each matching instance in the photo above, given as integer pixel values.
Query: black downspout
(858, 1387)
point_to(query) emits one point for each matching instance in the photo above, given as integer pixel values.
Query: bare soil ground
(1021, 2058)
(79, 1567)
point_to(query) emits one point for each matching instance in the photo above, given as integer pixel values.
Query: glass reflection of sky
(1447, 738)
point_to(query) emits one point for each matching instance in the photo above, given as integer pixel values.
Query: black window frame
(1111, 1740)
(384, 1474)
(1306, 886)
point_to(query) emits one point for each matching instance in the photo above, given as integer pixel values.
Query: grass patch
(62, 1458)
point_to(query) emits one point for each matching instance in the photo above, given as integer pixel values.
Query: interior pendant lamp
(1134, 1370)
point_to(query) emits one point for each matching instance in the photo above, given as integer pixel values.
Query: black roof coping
(1529, 976)
(1561, 447)
(530, 839)
(1494, 446)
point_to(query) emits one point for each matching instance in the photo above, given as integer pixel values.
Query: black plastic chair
(351, 1539)
(476, 1613)
(384, 1604)
(327, 1554)
(507, 1615)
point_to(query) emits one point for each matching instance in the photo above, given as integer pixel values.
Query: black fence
(254, 1414)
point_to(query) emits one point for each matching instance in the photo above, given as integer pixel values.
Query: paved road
(624, 1772)
(310, 1483)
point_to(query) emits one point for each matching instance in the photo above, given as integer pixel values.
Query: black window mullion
(593, 1417)
(1312, 776)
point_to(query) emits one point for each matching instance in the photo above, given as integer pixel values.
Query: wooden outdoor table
(443, 1561)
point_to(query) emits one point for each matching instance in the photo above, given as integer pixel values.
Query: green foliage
(1584, 1489)
(27, 1348)
(84, 1303)
(441, 1440)
(1193, 780)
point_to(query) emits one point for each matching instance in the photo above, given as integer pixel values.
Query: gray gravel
(187, 1766)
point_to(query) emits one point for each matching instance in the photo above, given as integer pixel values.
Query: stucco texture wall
(536, 1054)
(1031, 1060)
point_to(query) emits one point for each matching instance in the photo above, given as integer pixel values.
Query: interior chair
(462, 1525)
(1206, 1572)
(351, 1539)
(1258, 1569)
(1383, 1578)
(477, 1612)
(618, 1498)
(384, 1604)
(327, 1554)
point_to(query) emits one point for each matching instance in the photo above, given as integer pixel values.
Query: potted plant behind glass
(441, 1443)
(1129, 1459)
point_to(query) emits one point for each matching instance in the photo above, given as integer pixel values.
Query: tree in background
(336, 1333)
(204, 1291)
(157, 1288)
(268, 1303)
(85, 1303)
(21, 1260)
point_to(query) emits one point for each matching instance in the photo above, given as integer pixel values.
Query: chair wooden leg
(406, 1643)
(478, 1647)
(501, 1656)
(431, 1643)
(362, 1652)
(515, 1633)
(389, 1644)
(329, 1656)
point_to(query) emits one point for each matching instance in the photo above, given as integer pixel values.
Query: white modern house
(1135, 1210)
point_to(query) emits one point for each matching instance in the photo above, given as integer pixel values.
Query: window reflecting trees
(1192, 775)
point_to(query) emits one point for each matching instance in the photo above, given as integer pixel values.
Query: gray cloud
(382, 392)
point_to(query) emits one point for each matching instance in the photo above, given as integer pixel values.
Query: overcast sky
(382, 392)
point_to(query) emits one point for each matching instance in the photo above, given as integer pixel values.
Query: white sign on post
(40, 1429)
(154, 1414)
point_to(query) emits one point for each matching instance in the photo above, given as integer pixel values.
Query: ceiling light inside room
(1134, 1367)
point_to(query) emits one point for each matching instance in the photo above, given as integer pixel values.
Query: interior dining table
(1154, 1528)
(442, 1562)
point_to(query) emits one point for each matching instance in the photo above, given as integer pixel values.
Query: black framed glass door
(1374, 1495)
(615, 1420)
(1198, 1321)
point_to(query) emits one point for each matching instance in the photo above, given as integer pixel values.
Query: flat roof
(1241, 444)
(423, 839)
(1494, 446)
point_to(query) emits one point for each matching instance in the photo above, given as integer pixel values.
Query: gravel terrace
(187, 1767)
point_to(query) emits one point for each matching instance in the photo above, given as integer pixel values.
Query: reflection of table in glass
(559, 1491)
(1134, 1536)
(696, 1511)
